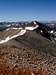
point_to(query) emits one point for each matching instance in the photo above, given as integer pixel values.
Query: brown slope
(29, 51)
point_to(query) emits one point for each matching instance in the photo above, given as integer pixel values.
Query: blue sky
(21, 10)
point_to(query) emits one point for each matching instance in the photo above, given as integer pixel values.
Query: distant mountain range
(12, 30)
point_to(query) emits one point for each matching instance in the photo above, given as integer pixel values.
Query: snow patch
(8, 29)
(15, 28)
(34, 22)
(31, 28)
(51, 31)
(41, 31)
(2, 41)
(22, 32)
